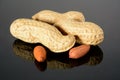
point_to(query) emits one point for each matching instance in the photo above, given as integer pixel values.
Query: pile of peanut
(58, 32)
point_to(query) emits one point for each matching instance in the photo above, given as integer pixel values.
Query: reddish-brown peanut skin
(79, 51)
(39, 53)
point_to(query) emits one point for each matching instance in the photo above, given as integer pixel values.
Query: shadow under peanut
(57, 60)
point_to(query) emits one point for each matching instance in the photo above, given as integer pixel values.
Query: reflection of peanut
(85, 32)
(52, 16)
(39, 32)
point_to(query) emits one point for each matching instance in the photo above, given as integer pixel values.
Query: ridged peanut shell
(32, 31)
(85, 32)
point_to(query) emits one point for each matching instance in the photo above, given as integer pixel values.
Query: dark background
(105, 13)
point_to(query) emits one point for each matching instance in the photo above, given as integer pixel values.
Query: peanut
(79, 51)
(33, 31)
(47, 16)
(86, 32)
(75, 15)
(50, 16)
(39, 53)
(73, 23)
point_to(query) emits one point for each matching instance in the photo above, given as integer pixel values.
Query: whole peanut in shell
(87, 33)
(52, 17)
(33, 31)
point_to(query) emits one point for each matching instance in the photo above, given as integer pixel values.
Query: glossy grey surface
(105, 13)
